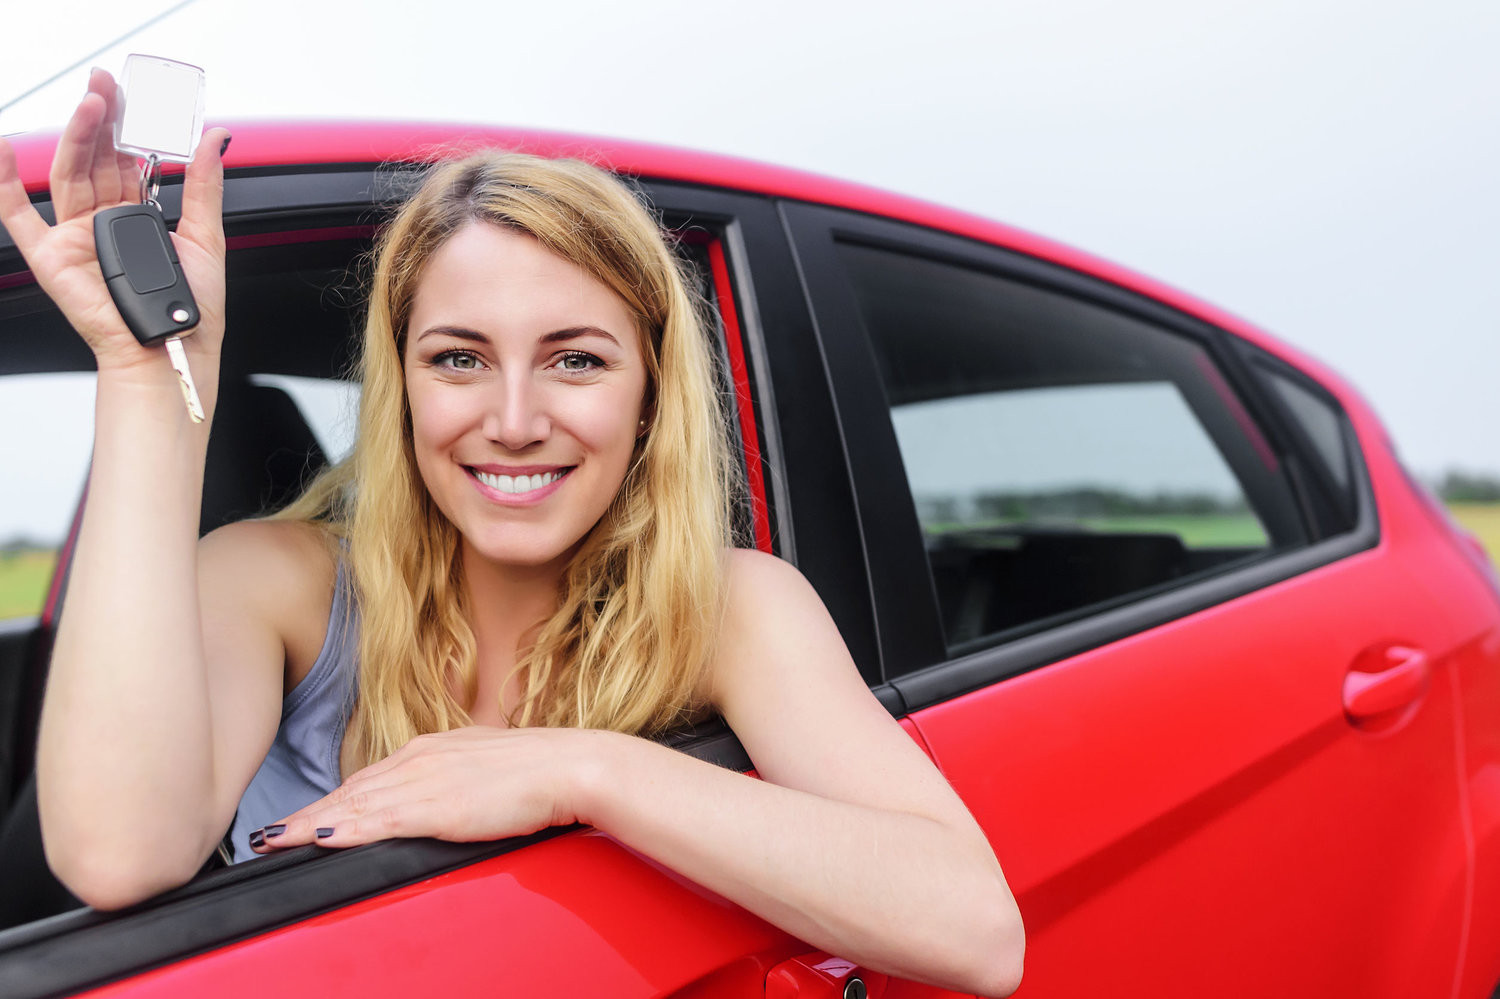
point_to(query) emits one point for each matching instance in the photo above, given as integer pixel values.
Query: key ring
(151, 181)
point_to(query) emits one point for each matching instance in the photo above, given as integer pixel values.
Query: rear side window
(46, 435)
(1062, 457)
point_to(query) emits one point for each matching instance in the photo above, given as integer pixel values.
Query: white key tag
(161, 109)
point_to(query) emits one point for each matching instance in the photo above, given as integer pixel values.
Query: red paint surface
(739, 371)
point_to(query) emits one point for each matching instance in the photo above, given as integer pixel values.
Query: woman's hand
(87, 176)
(467, 785)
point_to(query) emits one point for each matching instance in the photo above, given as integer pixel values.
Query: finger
(110, 170)
(17, 214)
(363, 817)
(302, 826)
(203, 192)
(72, 165)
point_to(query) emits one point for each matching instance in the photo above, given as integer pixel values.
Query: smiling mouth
(518, 484)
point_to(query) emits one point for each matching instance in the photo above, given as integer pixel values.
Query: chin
(521, 553)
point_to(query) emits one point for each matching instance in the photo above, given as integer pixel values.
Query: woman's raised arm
(140, 757)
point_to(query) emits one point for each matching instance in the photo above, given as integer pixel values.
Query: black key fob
(142, 272)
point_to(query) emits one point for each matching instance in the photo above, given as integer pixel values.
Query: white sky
(1325, 168)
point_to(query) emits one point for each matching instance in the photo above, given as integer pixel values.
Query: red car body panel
(1100, 780)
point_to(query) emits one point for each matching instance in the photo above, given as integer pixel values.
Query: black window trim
(919, 667)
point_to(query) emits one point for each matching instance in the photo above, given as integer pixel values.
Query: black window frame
(916, 663)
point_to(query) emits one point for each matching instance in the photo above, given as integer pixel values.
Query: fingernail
(224, 146)
(275, 830)
(325, 831)
(257, 839)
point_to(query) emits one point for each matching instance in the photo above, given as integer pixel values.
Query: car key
(146, 281)
(160, 119)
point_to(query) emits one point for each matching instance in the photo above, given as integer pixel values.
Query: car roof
(262, 144)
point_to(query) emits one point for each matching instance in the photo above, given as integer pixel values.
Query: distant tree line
(1076, 503)
(20, 545)
(1469, 487)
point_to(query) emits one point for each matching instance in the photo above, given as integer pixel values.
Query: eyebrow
(556, 336)
(574, 332)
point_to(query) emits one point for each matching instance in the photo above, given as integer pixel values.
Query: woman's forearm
(125, 757)
(897, 892)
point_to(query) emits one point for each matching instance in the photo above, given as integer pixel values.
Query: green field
(23, 582)
(1207, 530)
(1484, 520)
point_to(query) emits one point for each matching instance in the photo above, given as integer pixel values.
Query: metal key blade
(185, 377)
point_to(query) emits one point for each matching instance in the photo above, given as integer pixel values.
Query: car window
(329, 405)
(1321, 420)
(45, 441)
(1061, 456)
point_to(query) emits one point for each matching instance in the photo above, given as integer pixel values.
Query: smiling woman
(470, 627)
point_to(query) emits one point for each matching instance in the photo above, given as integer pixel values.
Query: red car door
(1150, 624)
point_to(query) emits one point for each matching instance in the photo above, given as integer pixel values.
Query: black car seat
(261, 454)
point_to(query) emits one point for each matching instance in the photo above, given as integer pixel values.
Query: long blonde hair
(639, 605)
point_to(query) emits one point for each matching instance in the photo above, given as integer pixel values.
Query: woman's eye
(579, 361)
(458, 360)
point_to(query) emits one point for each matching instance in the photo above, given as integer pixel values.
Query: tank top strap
(302, 764)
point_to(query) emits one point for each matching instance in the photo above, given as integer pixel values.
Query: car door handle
(819, 976)
(1368, 693)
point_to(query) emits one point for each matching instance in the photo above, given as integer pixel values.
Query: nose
(517, 416)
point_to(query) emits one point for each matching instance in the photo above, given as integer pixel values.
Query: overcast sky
(1326, 169)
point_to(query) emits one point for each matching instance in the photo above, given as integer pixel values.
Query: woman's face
(526, 384)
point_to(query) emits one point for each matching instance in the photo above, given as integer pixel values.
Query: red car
(1220, 682)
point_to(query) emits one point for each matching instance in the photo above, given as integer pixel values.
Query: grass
(23, 582)
(1208, 530)
(1483, 519)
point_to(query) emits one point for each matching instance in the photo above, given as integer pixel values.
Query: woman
(525, 557)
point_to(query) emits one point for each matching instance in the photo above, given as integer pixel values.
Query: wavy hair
(639, 605)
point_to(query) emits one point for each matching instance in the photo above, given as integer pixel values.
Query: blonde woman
(468, 629)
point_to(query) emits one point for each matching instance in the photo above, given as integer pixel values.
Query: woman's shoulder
(279, 572)
(753, 577)
(770, 609)
(291, 550)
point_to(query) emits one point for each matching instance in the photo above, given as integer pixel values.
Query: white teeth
(517, 483)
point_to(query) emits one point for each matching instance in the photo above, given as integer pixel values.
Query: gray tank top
(303, 763)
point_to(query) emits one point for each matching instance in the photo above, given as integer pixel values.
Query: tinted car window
(1061, 456)
(1323, 424)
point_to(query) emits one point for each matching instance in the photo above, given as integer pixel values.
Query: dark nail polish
(257, 839)
(224, 147)
(275, 830)
(325, 831)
